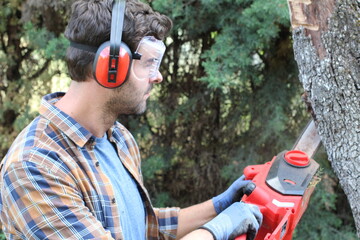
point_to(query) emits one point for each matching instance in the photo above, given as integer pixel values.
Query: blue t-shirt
(130, 205)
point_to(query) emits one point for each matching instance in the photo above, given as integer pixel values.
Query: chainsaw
(282, 187)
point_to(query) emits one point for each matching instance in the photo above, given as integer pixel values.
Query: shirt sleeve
(38, 204)
(168, 221)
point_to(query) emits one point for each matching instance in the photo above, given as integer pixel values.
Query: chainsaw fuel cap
(291, 172)
(297, 158)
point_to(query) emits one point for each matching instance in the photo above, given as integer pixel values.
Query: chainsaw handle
(247, 190)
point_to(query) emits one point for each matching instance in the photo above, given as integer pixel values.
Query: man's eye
(152, 61)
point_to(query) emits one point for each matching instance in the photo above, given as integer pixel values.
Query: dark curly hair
(90, 24)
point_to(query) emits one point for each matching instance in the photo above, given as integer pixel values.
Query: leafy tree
(31, 43)
(230, 95)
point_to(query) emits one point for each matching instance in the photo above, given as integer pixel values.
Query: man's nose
(157, 79)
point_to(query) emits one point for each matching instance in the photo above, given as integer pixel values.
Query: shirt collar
(78, 134)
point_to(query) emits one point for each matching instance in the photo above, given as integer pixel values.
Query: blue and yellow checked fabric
(52, 186)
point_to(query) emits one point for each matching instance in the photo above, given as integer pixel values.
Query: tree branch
(3, 46)
(38, 73)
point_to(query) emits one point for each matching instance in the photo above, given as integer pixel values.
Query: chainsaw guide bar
(309, 140)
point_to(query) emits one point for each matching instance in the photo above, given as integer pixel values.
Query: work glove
(233, 194)
(236, 220)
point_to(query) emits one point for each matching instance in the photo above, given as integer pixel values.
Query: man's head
(90, 24)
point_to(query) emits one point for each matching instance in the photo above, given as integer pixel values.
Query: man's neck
(84, 102)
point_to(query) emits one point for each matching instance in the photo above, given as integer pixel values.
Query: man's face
(131, 97)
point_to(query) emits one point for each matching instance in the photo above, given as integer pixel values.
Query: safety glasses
(149, 52)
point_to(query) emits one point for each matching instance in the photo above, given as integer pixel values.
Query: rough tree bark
(327, 50)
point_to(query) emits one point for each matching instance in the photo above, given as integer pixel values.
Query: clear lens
(152, 52)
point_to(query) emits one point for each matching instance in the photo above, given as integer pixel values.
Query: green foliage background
(230, 98)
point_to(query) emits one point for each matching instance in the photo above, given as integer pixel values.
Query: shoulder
(40, 142)
(127, 140)
(124, 133)
(121, 128)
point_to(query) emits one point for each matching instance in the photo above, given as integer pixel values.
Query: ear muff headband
(113, 58)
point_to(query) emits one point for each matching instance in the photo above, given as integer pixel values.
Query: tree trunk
(327, 50)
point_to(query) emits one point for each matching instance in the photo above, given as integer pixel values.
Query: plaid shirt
(52, 185)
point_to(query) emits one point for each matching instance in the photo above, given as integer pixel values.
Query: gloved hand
(234, 221)
(231, 195)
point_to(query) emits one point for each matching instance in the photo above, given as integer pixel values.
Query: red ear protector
(113, 58)
(109, 70)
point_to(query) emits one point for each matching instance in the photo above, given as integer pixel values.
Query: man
(74, 172)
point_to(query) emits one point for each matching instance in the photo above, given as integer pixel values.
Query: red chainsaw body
(282, 193)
